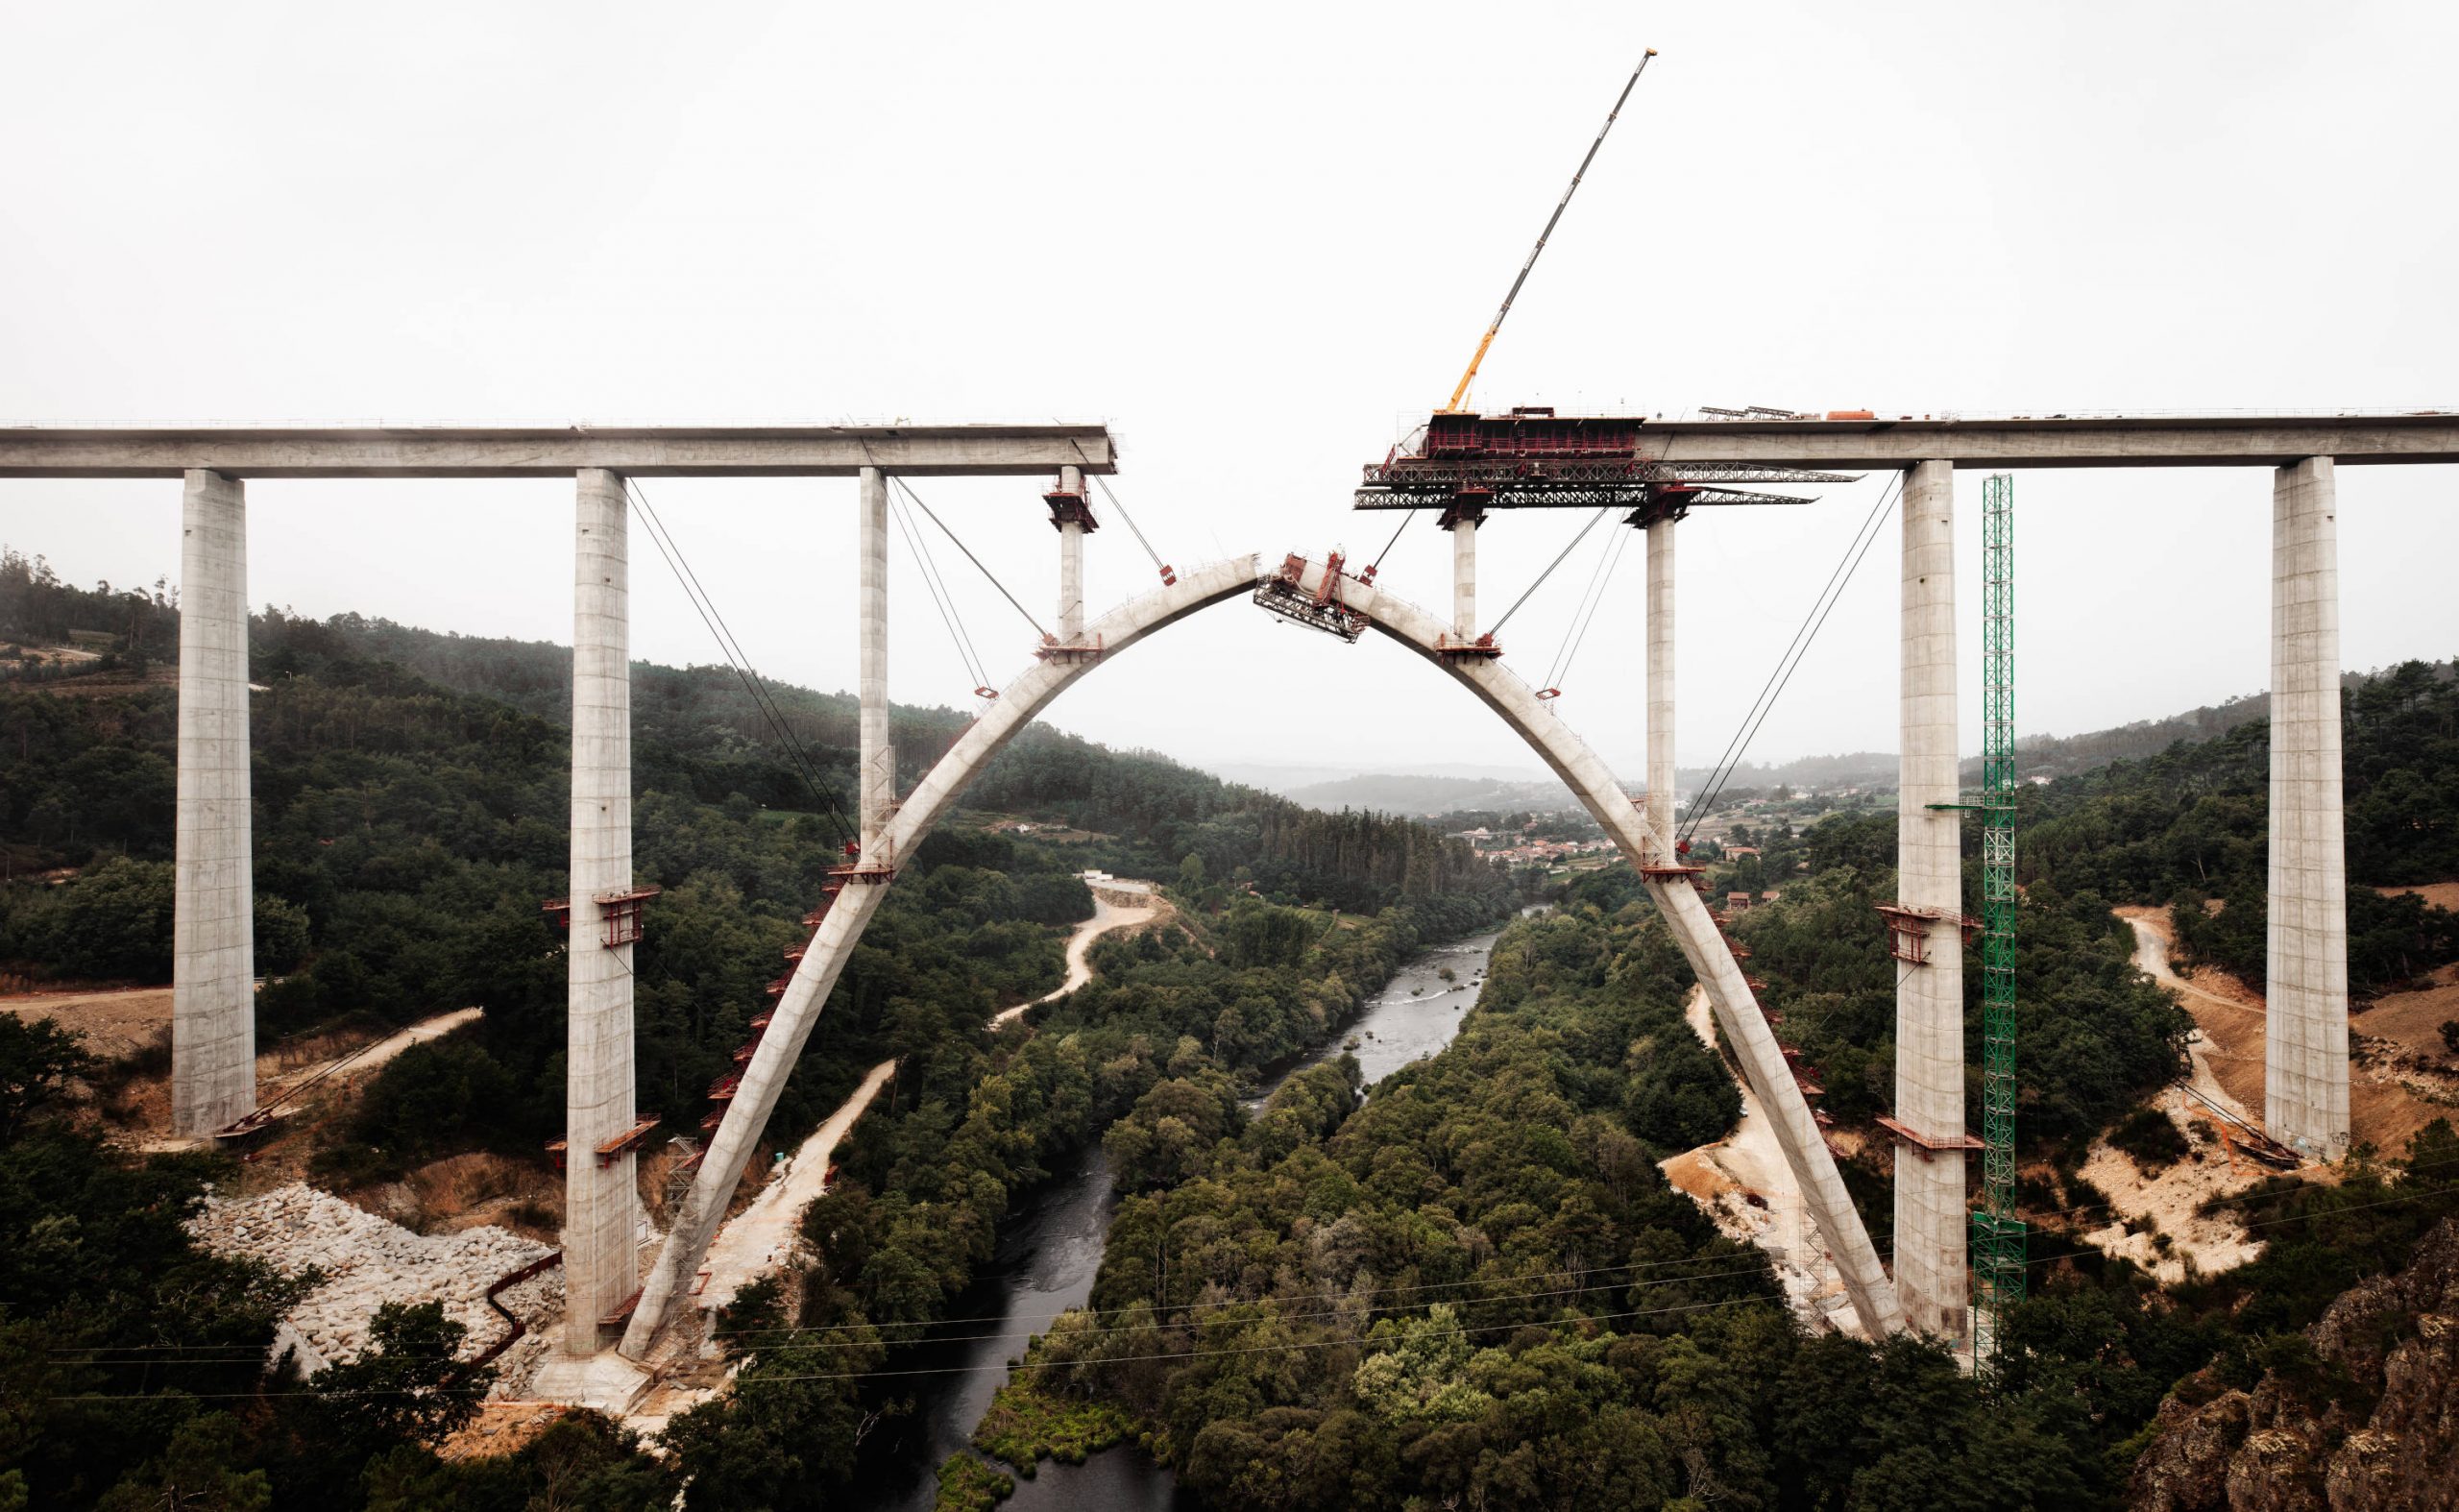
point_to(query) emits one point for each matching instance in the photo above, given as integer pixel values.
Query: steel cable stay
(1789, 660)
(1592, 599)
(1594, 520)
(941, 599)
(934, 518)
(740, 664)
(1169, 573)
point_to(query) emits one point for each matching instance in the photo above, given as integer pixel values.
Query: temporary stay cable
(1592, 524)
(941, 598)
(1592, 599)
(970, 557)
(1864, 536)
(761, 698)
(1105, 487)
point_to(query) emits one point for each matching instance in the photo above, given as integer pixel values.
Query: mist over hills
(1453, 788)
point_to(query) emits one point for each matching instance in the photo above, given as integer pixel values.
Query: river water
(1049, 1253)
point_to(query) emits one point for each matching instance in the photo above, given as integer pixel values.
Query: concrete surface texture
(2099, 441)
(877, 757)
(1071, 564)
(213, 933)
(599, 1261)
(2306, 1065)
(1464, 579)
(1661, 771)
(1930, 1208)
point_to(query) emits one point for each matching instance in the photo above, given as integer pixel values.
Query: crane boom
(1470, 375)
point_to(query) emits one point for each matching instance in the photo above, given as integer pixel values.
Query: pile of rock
(364, 1262)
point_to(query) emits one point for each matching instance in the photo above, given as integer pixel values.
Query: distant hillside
(1400, 794)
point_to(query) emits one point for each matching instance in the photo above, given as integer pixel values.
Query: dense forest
(1475, 1288)
(410, 817)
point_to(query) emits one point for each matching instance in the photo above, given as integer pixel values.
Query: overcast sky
(1259, 241)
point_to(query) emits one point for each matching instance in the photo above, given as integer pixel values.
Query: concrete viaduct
(213, 1029)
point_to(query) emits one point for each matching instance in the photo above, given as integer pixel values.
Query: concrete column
(1661, 681)
(1071, 564)
(1929, 1210)
(1464, 577)
(879, 758)
(600, 1255)
(2305, 1042)
(213, 932)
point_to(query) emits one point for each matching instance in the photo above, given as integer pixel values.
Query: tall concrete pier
(213, 1002)
(1930, 1221)
(877, 757)
(1463, 526)
(2305, 1051)
(600, 1260)
(1660, 776)
(1071, 561)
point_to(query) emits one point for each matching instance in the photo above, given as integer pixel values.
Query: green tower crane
(1997, 1233)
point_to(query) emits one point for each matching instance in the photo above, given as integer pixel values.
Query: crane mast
(1470, 377)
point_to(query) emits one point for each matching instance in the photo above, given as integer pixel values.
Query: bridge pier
(1930, 1203)
(1070, 523)
(1661, 769)
(601, 1267)
(213, 1001)
(1463, 525)
(2306, 955)
(878, 756)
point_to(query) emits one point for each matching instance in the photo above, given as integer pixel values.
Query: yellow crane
(1470, 375)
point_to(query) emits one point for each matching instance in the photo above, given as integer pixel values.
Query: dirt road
(758, 1240)
(1107, 916)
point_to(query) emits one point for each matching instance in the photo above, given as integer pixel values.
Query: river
(1051, 1249)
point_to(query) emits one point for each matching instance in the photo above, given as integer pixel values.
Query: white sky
(1257, 247)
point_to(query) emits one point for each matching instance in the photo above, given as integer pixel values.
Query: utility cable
(970, 557)
(1799, 647)
(1550, 570)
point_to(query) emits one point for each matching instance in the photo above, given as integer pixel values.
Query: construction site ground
(2399, 1074)
(1744, 1186)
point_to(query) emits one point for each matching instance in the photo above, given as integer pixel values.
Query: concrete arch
(1737, 1010)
